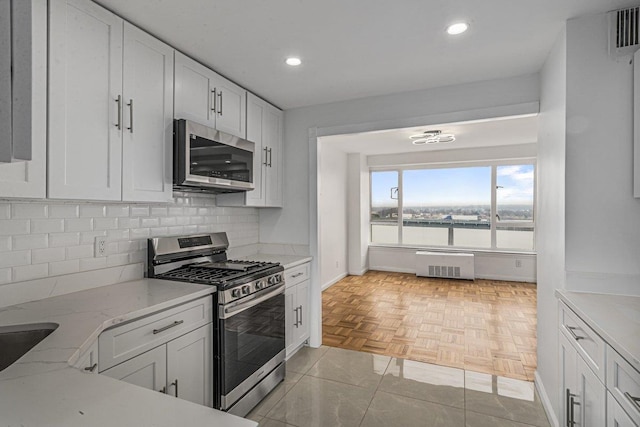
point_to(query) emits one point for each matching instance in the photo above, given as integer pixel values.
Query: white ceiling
(484, 133)
(358, 48)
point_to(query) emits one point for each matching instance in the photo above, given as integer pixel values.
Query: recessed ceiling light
(457, 28)
(293, 61)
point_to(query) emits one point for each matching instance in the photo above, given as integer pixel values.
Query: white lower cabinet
(583, 394)
(616, 416)
(182, 367)
(296, 308)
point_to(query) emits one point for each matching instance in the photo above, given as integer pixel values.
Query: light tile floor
(336, 387)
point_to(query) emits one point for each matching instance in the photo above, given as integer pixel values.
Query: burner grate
(208, 273)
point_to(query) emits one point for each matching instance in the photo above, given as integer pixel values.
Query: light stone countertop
(42, 389)
(287, 261)
(616, 318)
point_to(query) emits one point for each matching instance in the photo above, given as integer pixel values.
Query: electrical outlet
(518, 263)
(100, 247)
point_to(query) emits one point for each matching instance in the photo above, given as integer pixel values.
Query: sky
(458, 186)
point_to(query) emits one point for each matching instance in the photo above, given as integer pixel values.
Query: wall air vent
(625, 31)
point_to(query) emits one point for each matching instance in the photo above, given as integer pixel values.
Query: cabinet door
(301, 333)
(148, 370)
(272, 139)
(230, 107)
(85, 102)
(147, 151)
(591, 395)
(290, 319)
(194, 94)
(190, 366)
(616, 416)
(255, 115)
(567, 366)
(24, 179)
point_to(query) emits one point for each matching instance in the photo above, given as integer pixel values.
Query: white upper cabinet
(23, 122)
(85, 101)
(205, 97)
(264, 128)
(147, 153)
(89, 112)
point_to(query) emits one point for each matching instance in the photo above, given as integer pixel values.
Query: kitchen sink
(16, 340)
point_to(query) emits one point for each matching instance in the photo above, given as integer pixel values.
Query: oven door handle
(227, 311)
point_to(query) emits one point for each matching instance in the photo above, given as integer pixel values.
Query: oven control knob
(272, 280)
(236, 293)
(261, 284)
(246, 289)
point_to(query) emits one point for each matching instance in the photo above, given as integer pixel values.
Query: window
(455, 207)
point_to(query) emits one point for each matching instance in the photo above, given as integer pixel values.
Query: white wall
(603, 218)
(550, 214)
(332, 209)
(358, 213)
(47, 246)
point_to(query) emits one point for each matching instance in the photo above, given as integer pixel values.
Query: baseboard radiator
(445, 265)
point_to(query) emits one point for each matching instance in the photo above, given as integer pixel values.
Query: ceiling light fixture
(293, 61)
(432, 137)
(457, 28)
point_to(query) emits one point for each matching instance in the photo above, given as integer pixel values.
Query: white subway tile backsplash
(5, 275)
(64, 267)
(47, 255)
(78, 224)
(64, 233)
(47, 225)
(63, 239)
(30, 241)
(5, 243)
(81, 251)
(64, 211)
(89, 237)
(140, 211)
(15, 259)
(29, 210)
(95, 211)
(5, 212)
(117, 211)
(30, 272)
(11, 227)
(105, 224)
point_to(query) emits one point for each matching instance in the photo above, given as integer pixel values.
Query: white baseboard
(393, 269)
(334, 281)
(358, 273)
(546, 403)
(506, 278)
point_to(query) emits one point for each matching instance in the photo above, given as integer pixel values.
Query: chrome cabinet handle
(297, 275)
(175, 383)
(634, 400)
(130, 105)
(164, 328)
(270, 157)
(573, 334)
(220, 109)
(266, 153)
(567, 403)
(163, 390)
(119, 102)
(573, 404)
(296, 324)
(300, 315)
(91, 368)
(214, 105)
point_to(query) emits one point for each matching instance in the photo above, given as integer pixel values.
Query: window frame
(495, 224)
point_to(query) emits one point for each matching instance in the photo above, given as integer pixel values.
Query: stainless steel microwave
(208, 160)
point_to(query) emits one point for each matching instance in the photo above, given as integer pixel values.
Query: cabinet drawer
(623, 381)
(588, 344)
(293, 276)
(123, 342)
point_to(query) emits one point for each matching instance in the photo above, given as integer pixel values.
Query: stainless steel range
(250, 340)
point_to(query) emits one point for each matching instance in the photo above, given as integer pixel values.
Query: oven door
(251, 342)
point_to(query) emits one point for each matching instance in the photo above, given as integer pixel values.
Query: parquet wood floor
(485, 326)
